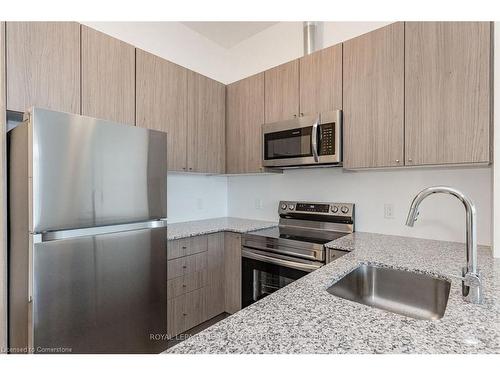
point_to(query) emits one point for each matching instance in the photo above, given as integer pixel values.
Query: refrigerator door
(88, 172)
(101, 294)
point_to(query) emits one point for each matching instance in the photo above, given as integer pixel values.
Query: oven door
(263, 273)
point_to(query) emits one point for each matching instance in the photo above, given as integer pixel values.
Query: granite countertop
(304, 318)
(221, 224)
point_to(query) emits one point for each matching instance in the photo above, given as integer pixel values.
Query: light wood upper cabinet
(282, 92)
(447, 92)
(321, 81)
(373, 114)
(206, 124)
(43, 66)
(161, 103)
(108, 77)
(245, 116)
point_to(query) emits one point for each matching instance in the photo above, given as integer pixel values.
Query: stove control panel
(345, 210)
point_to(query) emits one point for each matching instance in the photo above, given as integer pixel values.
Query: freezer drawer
(101, 294)
(86, 172)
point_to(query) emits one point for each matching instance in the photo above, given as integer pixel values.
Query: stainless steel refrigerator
(87, 236)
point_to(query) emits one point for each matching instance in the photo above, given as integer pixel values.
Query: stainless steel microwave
(303, 141)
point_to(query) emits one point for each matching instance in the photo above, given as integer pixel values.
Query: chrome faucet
(472, 284)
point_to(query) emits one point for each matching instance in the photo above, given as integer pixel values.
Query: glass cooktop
(309, 236)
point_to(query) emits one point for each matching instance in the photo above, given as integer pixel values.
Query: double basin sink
(411, 294)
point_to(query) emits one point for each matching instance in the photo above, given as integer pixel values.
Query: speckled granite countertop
(227, 224)
(304, 318)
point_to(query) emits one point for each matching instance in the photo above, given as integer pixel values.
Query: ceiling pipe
(309, 37)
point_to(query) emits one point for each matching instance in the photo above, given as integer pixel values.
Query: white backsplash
(196, 197)
(375, 193)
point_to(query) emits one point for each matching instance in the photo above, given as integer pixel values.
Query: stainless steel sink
(407, 293)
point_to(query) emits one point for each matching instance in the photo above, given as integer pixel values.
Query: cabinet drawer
(186, 265)
(186, 283)
(185, 312)
(186, 246)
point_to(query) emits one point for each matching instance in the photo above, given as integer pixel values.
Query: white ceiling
(228, 34)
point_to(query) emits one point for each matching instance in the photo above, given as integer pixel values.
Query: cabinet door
(321, 81)
(282, 92)
(245, 116)
(108, 77)
(215, 303)
(43, 66)
(206, 124)
(447, 92)
(373, 66)
(161, 103)
(232, 272)
(185, 312)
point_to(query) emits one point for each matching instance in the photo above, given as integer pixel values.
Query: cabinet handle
(183, 285)
(190, 168)
(410, 160)
(184, 247)
(184, 314)
(301, 114)
(184, 267)
(397, 161)
(294, 115)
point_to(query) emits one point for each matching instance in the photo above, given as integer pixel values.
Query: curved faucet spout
(470, 271)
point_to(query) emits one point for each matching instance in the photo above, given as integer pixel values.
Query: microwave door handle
(314, 140)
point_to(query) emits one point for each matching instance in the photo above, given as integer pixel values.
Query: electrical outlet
(388, 211)
(199, 203)
(258, 204)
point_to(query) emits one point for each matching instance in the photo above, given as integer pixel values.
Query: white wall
(196, 197)
(273, 46)
(441, 216)
(172, 41)
(284, 42)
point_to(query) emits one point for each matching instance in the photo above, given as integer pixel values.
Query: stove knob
(283, 206)
(344, 209)
(291, 207)
(335, 209)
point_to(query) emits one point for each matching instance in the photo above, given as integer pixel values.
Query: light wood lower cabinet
(232, 272)
(186, 265)
(196, 283)
(215, 289)
(187, 246)
(185, 312)
(186, 283)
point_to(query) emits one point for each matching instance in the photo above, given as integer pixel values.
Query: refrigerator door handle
(92, 231)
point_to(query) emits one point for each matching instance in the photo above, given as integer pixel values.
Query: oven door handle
(314, 140)
(280, 262)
